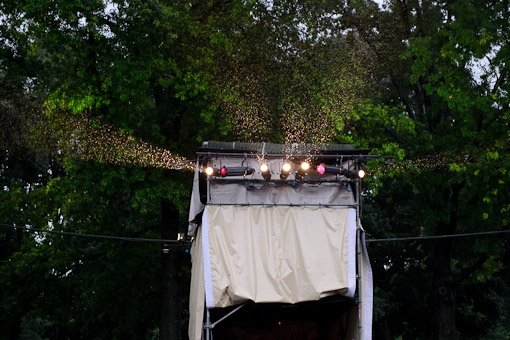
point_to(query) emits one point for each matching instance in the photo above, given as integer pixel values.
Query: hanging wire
(435, 237)
(187, 243)
(96, 236)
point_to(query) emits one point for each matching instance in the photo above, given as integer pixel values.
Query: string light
(92, 140)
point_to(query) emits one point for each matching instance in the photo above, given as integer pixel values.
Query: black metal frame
(358, 156)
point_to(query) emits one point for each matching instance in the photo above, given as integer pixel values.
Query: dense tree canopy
(102, 102)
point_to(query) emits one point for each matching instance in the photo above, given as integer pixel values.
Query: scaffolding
(236, 185)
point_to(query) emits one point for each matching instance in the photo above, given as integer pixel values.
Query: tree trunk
(382, 329)
(444, 277)
(171, 290)
(12, 328)
(444, 290)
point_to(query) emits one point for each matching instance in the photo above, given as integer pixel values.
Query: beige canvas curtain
(277, 254)
(283, 254)
(367, 296)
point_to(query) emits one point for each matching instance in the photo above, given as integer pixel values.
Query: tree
(291, 74)
(109, 91)
(94, 65)
(457, 107)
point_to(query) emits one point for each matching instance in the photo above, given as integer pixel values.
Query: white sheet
(277, 254)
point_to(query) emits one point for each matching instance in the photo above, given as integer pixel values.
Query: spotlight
(329, 169)
(286, 167)
(264, 170)
(236, 171)
(339, 170)
(210, 171)
(352, 173)
(303, 170)
(305, 166)
(321, 169)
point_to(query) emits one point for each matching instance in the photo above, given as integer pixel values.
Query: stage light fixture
(339, 170)
(264, 170)
(353, 173)
(329, 169)
(321, 169)
(361, 171)
(286, 167)
(302, 170)
(236, 171)
(210, 171)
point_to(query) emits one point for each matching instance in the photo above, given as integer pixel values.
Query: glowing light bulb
(285, 170)
(223, 171)
(264, 170)
(361, 173)
(321, 169)
(305, 166)
(209, 171)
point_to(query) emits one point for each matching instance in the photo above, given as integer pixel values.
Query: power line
(107, 237)
(435, 237)
(186, 243)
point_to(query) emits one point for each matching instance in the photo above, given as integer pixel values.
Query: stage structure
(278, 249)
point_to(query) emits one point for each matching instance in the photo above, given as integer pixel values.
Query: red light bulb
(321, 169)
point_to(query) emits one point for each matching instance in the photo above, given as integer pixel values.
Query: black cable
(435, 237)
(118, 238)
(186, 243)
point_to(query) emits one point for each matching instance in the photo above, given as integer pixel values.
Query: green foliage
(410, 81)
(459, 147)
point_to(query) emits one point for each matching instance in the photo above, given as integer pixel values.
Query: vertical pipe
(208, 190)
(208, 179)
(207, 314)
(207, 325)
(358, 250)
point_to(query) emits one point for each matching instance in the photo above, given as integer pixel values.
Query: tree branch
(499, 81)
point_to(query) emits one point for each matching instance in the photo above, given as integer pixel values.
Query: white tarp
(313, 189)
(197, 290)
(195, 206)
(283, 254)
(367, 292)
(277, 254)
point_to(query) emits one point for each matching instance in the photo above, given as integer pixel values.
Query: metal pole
(280, 155)
(229, 314)
(208, 190)
(208, 324)
(323, 205)
(358, 251)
